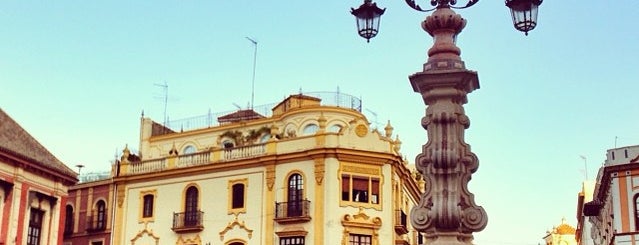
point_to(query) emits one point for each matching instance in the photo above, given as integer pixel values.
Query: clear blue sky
(77, 74)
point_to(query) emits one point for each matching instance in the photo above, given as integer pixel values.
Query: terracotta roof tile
(16, 141)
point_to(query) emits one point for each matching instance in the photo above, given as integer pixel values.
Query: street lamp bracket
(440, 4)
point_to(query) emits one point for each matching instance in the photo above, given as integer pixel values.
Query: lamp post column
(446, 213)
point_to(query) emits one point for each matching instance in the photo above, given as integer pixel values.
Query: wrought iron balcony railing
(188, 221)
(292, 212)
(96, 223)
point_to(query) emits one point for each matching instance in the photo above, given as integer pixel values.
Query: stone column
(446, 213)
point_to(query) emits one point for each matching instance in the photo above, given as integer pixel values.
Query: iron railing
(208, 120)
(96, 223)
(94, 176)
(295, 209)
(188, 220)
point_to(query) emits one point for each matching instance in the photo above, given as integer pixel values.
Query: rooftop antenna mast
(165, 86)
(585, 166)
(254, 63)
(374, 118)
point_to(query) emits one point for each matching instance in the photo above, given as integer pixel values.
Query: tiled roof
(15, 141)
(240, 115)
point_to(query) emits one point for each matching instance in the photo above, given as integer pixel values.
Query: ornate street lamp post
(447, 213)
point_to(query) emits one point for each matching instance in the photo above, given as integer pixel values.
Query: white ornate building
(309, 171)
(614, 210)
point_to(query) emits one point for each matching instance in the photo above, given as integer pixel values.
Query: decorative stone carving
(319, 170)
(447, 212)
(237, 223)
(270, 176)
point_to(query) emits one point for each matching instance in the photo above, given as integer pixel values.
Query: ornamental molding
(148, 232)
(231, 225)
(186, 241)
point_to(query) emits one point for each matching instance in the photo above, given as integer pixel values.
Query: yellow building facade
(310, 171)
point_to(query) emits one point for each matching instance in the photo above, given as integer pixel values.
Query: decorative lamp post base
(447, 213)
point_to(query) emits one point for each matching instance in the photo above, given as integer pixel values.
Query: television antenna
(374, 117)
(165, 86)
(254, 63)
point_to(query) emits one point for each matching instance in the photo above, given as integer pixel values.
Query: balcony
(96, 223)
(292, 212)
(188, 222)
(194, 159)
(400, 222)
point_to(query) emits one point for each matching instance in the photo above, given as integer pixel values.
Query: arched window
(310, 129)
(189, 149)
(190, 207)
(101, 215)
(295, 195)
(68, 220)
(265, 138)
(335, 128)
(227, 144)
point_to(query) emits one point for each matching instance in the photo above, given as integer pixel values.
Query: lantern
(524, 13)
(367, 16)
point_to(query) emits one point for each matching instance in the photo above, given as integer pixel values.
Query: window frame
(360, 189)
(34, 231)
(147, 205)
(359, 238)
(359, 225)
(101, 215)
(292, 240)
(191, 202)
(233, 209)
(143, 216)
(295, 195)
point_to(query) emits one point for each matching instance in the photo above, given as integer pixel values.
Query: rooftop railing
(94, 176)
(210, 119)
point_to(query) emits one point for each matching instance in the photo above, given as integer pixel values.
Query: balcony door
(295, 195)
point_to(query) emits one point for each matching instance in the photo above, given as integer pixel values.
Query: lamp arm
(439, 4)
